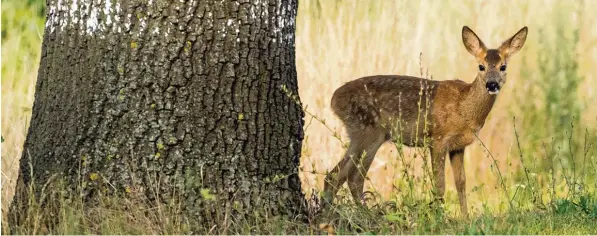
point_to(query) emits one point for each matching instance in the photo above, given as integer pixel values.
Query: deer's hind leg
(356, 180)
(362, 144)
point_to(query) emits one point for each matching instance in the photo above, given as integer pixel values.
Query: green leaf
(394, 217)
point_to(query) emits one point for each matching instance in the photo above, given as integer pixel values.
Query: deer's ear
(473, 44)
(514, 44)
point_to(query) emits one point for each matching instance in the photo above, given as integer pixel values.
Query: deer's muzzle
(493, 87)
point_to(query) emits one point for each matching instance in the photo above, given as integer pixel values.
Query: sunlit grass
(22, 30)
(338, 41)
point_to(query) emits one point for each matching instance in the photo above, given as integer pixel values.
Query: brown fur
(378, 108)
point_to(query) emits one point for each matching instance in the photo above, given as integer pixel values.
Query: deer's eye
(481, 67)
(503, 68)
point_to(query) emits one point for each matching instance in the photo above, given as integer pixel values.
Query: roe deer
(378, 108)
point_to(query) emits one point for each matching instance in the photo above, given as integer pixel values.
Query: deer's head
(493, 62)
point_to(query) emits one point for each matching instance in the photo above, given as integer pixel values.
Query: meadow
(533, 169)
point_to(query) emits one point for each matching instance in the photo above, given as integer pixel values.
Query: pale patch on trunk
(89, 16)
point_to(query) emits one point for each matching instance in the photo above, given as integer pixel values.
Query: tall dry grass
(22, 30)
(338, 41)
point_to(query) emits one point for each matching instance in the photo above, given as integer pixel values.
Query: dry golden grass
(21, 47)
(338, 41)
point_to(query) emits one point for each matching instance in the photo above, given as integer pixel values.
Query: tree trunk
(169, 98)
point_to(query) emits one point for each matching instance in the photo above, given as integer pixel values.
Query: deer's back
(382, 100)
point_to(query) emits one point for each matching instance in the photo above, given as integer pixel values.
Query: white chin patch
(494, 92)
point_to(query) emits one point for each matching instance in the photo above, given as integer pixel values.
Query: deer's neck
(478, 102)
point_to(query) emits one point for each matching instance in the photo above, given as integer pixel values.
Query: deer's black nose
(492, 86)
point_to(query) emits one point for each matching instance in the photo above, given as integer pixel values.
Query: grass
(64, 214)
(22, 30)
(340, 41)
(545, 165)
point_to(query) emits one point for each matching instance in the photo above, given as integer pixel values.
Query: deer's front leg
(457, 162)
(438, 163)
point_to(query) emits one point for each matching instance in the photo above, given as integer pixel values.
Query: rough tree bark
(169, 98)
